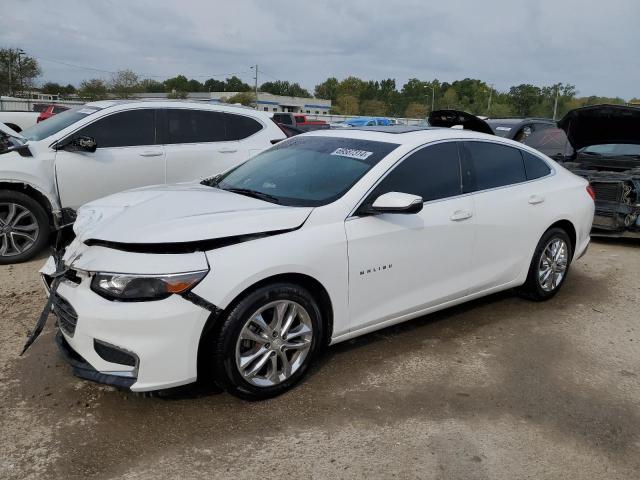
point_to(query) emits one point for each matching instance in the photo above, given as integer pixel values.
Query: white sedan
(245, 277)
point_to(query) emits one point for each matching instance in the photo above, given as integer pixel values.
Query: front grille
(113, 354)
(608, 191)
(67, 316)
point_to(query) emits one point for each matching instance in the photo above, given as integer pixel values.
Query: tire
(24, 227)
(544, 283)
(305, 333)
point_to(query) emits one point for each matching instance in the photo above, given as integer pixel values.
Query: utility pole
(256, 85)
(555, 104)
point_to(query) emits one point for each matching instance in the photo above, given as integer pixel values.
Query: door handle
(151, 153)
(228, 150)
(535, 199)
(461, 215)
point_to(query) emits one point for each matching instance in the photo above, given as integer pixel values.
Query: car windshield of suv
(613, 149)
(305, 171)
(56, 123)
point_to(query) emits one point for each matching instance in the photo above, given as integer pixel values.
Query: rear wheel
(549, 266)
(24, 227)
(267, 341)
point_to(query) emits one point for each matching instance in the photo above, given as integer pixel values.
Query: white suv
(80, 155)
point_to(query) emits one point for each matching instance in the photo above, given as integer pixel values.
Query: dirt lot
(500, 388)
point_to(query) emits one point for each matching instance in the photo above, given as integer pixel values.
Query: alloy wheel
(19, 229)
(274, 343)
(553, 264)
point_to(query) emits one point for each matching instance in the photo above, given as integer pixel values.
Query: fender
(54, 204)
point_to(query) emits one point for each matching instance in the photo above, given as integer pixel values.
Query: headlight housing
(141, 288)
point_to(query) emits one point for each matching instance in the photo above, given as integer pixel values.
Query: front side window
(493, 165)
(432, 173)
(194, 126)
(305, 171)
(58, 123)
(122, 129)
(241, 126)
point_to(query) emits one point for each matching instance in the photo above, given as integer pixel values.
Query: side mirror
(81, 144)
(396, 202)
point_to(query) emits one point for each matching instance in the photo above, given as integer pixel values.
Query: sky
(591, 44)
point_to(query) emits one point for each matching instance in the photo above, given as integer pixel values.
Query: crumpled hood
(181, 213)
(601, 124)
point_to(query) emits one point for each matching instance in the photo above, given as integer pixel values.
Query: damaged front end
(606, 141)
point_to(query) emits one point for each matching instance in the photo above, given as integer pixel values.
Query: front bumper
(162, 336)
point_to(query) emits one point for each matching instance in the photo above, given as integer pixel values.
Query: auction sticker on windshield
(352, 153)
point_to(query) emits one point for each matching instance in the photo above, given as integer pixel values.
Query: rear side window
(241, 126)
(535, 167)
(286, 119)
(494, 165)
(122, 129)
(432, 173)
(194, 126)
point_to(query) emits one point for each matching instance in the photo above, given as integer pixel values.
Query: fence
(32, 104)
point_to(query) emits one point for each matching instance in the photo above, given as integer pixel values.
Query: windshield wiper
(253, 193)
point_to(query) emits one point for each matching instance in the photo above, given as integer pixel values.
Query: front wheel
(549, 266)
(267, 341)
(24, 227)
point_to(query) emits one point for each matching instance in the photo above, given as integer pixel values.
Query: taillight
(591, 192)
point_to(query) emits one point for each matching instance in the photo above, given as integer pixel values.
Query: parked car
(18, 121)
(541, 134)
(367, 122)
(606, 140)
(290, 131)
(245, 277)
(106, 147)
(50, 111)
(300, 121)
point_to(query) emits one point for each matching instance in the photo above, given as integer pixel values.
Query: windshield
(613, 149)
(56, 123)
(305, 171)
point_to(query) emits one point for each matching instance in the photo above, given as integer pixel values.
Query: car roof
(191, 104)
(407, 135)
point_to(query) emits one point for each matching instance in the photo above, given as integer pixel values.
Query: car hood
(181, 214)
(451, 118)
(601, 124)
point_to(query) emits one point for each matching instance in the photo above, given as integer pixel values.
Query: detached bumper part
(82, 369)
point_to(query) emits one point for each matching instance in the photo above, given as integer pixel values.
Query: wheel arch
(568, 227)
(34, 193)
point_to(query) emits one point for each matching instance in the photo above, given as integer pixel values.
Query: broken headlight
(141, 288)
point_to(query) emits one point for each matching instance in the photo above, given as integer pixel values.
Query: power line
(95, 69)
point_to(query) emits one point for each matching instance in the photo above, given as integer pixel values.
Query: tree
(151, 86)
(347, 105)
(93, 89)
(52, 88)
(327, 90)
(176, 84)
(376, 108)
(234, 84)
(20, 68)
(177, 95)
(195, 86)
(124, 83)
(283, 87)
(244, 98)
(416, 110)
(523, 98)
(213, 85)
(450, 98)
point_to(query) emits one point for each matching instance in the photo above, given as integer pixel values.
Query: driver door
(127, 156)
(403, 263)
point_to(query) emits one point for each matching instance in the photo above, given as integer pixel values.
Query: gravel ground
(497, 389)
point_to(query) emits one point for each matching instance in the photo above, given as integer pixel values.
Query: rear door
(203, 143)
(510, 210)
(127, 156)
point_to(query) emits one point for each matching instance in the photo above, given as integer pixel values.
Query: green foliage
(347, 105)
(151, 86)
(52, 88)
(94, 89)
(244, 98)
(22, 69)
(282, 87)
(177, 95)
(124, 83)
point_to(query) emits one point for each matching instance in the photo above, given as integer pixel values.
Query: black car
(606, 143)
